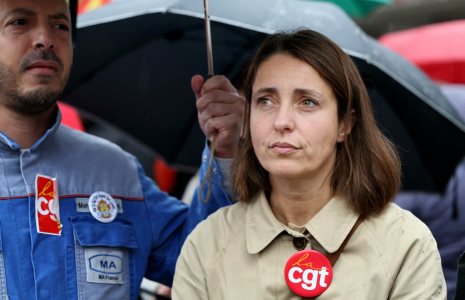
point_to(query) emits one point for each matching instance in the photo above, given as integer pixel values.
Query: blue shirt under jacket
(90, 259)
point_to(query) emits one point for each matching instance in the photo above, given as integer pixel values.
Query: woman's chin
(287, 174)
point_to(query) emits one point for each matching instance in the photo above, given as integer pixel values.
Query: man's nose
(44, 38)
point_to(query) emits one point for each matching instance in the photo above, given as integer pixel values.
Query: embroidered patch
(82, 205)
(104, 266)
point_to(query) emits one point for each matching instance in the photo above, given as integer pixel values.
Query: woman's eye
(263, 101)
(308, 102)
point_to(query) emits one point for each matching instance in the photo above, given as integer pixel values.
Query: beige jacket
(240, 253)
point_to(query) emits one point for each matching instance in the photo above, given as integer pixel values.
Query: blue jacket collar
(10, 143)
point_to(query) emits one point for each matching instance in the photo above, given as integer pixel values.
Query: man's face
(35, 53)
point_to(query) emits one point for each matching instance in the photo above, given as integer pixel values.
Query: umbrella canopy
(134, 61)
(88, 5)
(358, 8)
(438, 49)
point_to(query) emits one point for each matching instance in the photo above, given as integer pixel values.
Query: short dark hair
(367, 166)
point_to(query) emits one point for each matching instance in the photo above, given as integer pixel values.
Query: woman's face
(293, 122)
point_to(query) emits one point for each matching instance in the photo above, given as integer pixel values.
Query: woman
(313, 166)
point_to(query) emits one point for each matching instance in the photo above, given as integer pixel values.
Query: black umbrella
(134, 60)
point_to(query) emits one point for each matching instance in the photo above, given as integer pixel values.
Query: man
(78, 217)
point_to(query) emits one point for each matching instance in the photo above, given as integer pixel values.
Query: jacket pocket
(104, 257)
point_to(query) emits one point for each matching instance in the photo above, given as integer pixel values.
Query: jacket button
(299, 243)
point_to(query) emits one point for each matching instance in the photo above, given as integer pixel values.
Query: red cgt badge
(47, 206)
(308, 273)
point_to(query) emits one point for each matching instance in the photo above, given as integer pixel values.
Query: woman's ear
(346, 126)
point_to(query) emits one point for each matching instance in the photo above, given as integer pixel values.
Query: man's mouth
(43, 67)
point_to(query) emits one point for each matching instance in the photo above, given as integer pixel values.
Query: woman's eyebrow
(308, 92)
(269, 90)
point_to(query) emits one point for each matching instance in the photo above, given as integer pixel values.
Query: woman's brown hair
(367, 167)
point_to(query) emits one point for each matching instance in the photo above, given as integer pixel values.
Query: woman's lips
(283, 148)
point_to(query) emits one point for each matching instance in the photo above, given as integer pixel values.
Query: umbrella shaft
(209, 40)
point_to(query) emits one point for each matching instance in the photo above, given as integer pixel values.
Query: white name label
(104, 266)
(82, 205)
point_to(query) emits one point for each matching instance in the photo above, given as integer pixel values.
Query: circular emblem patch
(308, 273)
(103, 207)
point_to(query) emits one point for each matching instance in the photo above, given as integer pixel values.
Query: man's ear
(346, 125)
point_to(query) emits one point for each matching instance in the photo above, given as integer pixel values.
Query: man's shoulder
(89, 149)
(91, 163)
(69, 137)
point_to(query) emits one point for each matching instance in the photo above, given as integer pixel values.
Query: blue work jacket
(90, 259)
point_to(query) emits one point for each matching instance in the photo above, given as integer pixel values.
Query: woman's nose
(284, 120)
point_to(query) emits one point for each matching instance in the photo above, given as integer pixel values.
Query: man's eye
(62, 27)
(19, 22)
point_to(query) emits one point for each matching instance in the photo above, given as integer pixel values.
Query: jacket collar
(7, 142)
(330, 226)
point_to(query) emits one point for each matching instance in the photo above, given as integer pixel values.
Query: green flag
(358, 8)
